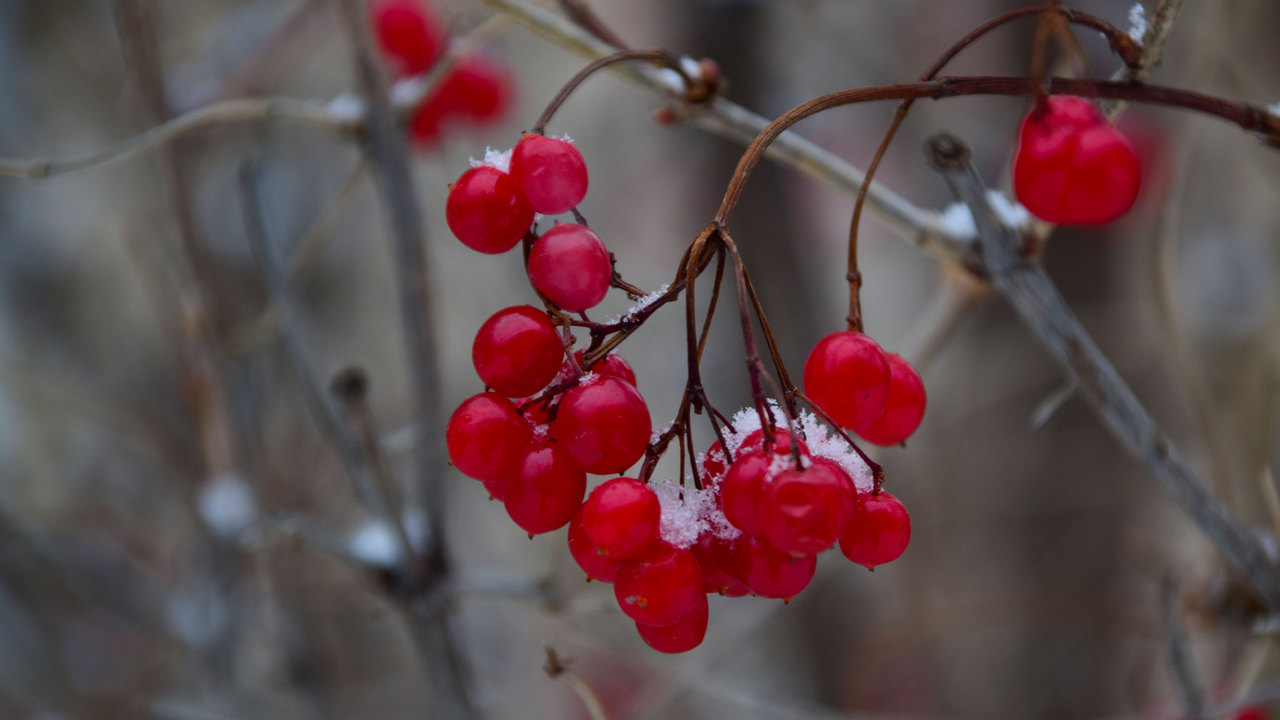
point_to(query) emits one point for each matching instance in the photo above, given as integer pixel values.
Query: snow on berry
(498, 159)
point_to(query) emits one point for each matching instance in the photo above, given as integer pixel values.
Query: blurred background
(178, 538)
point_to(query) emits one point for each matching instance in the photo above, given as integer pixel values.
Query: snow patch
(1137, 22)
(226, 505)
(498, 159)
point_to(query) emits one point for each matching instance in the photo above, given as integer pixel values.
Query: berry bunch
(475, 90)
(753, 521)
(1072, 167)
(861, 388)
(762, 504)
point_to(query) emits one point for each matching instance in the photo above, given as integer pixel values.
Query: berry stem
(663, 58)
(1121, 44)
(877, 472)
(1247, 117)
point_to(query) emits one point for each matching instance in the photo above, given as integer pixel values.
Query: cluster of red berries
(1072, 167)
(763, 505)
(862, 388)
(476, 90)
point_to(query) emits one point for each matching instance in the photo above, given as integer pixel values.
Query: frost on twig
(1137, 22)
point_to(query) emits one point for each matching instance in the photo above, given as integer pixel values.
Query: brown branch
(1043, 310)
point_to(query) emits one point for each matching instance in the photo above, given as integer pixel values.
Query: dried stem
(1248, 117)
(659, 57)
(1043, 310)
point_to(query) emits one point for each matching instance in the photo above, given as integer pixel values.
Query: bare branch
(1043, 310)
(719, 116)
(1179, 653)
(310, 112)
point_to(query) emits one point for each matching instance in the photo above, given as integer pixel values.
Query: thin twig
(1179, 653)
(310, 112)
(721, 117)
(385, 146)
(1043, 310)
(293, 335)
(558, 667)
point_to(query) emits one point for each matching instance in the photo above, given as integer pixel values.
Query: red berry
(604, 425)
(596, 565)
(487, 211)
(612, 365)
(478, 89)
(681, 636)
(517, 351)
(847, 375)
(742, 491)
(409, 33)
(714, 463)
(661, 586)
(720, 563)
(1072, 167)
(550, 171)
(805, 510)
(781, 443)
(571, 266)
(902, 411)
(772, 573)
(486, 437)
(546, 490)
(475, 91)
(621, 517)
(879, 531)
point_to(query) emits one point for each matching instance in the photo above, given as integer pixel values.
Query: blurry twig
(311, 112)
(1051, 404)
(385, 146)
(293, 335)
(916, 225)
(1153, 40)
(558, 667)
(1043, 310)
(1179, 653)
(957, 293)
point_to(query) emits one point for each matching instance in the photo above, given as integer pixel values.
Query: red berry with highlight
(781, 443)
(571, 266)
(661, 586)
(902, 411)
(742, 491)
(621, 517)
(847, 375)
(1072, 167)
(550, 171)
(612, 365)
(879, 531)
(546, 490)
(486, 438)
(805, 510)
(408, 33)
(517, 351)
(772, 573)
(486, 210)
(681, 636)
(596, 565)
(604, 424)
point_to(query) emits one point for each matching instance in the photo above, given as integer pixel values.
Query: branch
(1043, 310)
(385, 146)
(311, 112)
(719, 116)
